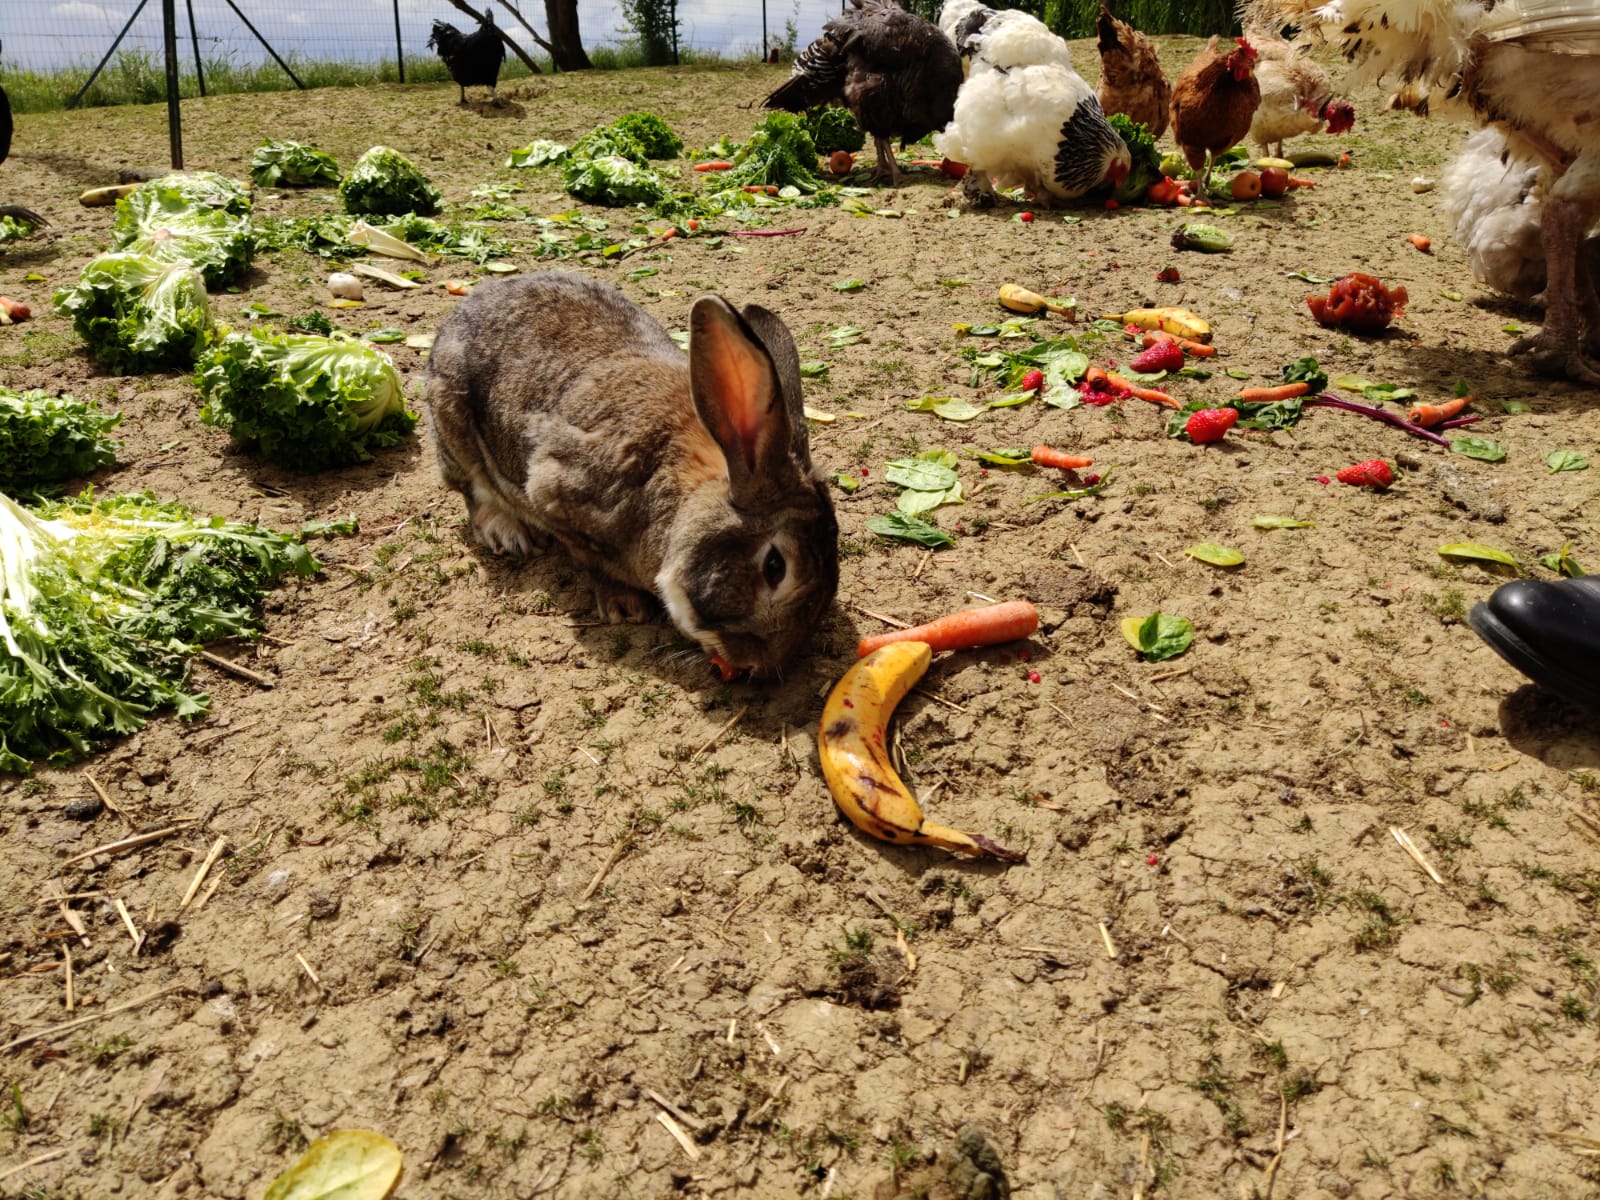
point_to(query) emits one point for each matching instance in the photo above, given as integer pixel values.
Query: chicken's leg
(887, 168)
(1558, 348)
(1202, 173)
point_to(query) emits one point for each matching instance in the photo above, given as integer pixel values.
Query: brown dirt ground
(452, 750)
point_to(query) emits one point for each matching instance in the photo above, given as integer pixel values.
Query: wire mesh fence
(56, 35)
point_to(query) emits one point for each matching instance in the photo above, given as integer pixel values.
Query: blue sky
(45, 34)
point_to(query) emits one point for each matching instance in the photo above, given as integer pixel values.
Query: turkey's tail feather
(817, 79)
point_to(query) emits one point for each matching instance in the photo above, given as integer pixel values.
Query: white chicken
(1494, 203)
(1530, 68)
(1002, 38)
(1024, 118)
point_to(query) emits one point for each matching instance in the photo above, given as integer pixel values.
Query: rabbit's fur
(562, 408)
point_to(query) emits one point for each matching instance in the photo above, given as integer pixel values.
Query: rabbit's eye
(773, 567)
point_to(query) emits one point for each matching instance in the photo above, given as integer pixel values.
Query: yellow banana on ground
(1021, 300)
(1179, 322)
(853, 744)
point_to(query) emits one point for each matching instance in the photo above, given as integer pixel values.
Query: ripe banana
(1179, 322)
(1021, 300)
(853, 744)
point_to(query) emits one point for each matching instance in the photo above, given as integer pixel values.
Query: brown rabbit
(562, 408)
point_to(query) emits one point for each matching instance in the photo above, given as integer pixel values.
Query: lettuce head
(304, 401)
(387, 182)
(136, 313)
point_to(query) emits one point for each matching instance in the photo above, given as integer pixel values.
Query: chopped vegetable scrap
(1360, 303)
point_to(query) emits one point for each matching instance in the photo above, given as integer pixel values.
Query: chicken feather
(1528, 67)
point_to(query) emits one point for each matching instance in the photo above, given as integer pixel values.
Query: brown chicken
(1131, 81)
(1213, 103)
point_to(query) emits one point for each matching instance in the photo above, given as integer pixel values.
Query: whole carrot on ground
(1429, 415)
(1008, 622)
(1271, 395)
(1046, 456)
(1151, 395)
(713, 166)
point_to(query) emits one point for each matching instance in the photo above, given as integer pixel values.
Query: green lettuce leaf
(292, 164)
(202, 220)
(46, 439)
(136, 313)
(304, 401)
(386, 181)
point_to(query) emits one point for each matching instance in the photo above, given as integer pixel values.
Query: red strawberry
(1162, 356)
(1210, 424)
(1033, 381)
(1372, 473)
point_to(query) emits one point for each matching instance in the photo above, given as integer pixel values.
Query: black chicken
(473, 58)
(895, 72)
(15, 211)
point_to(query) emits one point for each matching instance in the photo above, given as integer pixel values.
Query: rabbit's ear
(738, 393)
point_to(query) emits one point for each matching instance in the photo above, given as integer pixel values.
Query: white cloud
(79, 9)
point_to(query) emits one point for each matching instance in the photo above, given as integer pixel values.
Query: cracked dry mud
(419, 809)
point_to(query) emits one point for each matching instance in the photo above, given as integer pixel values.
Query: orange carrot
(1271, 395)
(1140, 393)
(1429, 415)
(725, 670)
(1097, 379)
(1046, 456)
(1295, 182)
(1008, 622)
(713, 166)
(1422, 242)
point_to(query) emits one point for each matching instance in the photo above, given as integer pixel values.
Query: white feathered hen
(1532, 69)
(1495, 203)
(1002, 38)
(1024, 118)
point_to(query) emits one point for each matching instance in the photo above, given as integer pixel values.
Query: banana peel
(853, 745)
(1021, 300)
(1179, 322)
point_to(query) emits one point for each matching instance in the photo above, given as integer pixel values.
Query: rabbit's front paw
(503, 533)
(620, 604)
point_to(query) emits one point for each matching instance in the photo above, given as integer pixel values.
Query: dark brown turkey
(896, 73)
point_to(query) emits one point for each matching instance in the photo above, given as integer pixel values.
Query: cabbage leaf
(304, 401)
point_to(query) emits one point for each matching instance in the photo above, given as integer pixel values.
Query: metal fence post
(169, 36)
(399, 50)
(194, 41)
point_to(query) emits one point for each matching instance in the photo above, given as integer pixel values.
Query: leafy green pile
(780, 152)
(292, 164)
(46, 439)
(386, 181)
(1146, 168)
(653, 134)
(328, 236)
(538, 153)
(12, 229)
(201, 219)
(833, 129)
(609, 166)
(101, 604)
(136, 313)
(304, 401)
